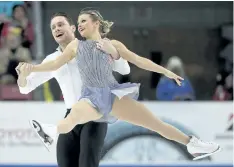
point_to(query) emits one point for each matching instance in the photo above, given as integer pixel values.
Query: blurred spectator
(11, 54)
(7, 6)
(6, 12)
(224, 84)
(19, 19)
(168, 90)
(224, 89)
(19, 16)
(229, 85)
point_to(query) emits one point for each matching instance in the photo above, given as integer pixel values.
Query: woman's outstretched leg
(136, 113)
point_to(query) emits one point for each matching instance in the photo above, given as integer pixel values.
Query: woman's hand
(24, 69)
(172, 75)
(106, 46)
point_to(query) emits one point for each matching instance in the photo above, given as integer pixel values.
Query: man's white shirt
(68, 78)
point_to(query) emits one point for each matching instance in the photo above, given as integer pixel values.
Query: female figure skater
(102, 97)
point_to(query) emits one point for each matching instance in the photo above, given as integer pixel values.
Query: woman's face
(86, 25)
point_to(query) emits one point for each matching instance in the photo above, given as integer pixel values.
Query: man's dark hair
(67, 17)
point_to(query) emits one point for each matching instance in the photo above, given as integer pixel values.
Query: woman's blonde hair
(105, 25)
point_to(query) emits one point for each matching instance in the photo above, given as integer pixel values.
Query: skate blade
(207, 155)
(47, 146)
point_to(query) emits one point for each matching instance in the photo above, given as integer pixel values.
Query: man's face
(62, 31)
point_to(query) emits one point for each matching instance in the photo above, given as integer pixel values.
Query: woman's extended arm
(68, 54)
(143, 63)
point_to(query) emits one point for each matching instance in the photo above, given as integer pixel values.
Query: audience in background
(16, 37)
(6, 7)
(11, 53)
(168, 90)
(19, 19)
(224, 78)
(224, 88)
